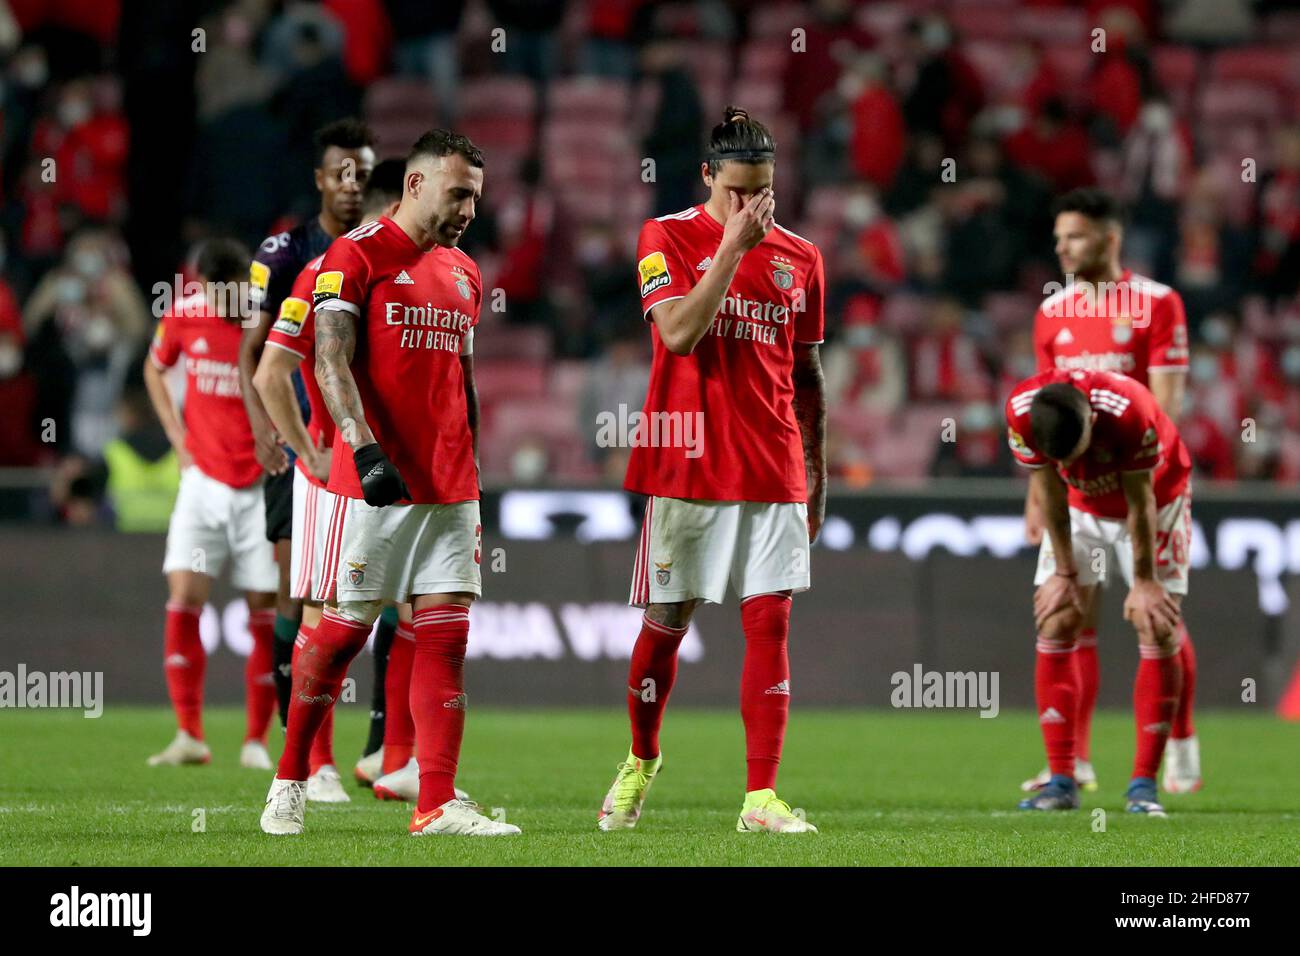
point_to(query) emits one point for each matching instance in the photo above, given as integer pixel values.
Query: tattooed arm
(336, 341)
(810, 412)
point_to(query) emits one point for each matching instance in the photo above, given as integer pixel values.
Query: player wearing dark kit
(344, 160)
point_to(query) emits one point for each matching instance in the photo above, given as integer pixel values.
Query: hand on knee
(1062, 628)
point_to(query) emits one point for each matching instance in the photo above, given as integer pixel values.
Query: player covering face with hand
(734, 303)
(1112, 475)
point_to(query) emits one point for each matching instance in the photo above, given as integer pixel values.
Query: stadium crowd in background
(921, 145)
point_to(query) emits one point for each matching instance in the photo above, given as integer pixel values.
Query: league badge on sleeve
(293, 312)
(654, 273)
(259, 278)
(328, 286)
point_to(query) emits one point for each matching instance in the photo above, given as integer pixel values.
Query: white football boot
(182, 750)
(458, 818)
(370, 768)
(622, 807)
(253, 755)
(326, 786)
(404, 784)
(765, 812)
(286, 804)
(1182, 765)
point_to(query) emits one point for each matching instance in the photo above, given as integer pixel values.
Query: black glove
(380, 483)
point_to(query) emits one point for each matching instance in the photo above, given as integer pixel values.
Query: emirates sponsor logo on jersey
(210, 377)
(1095, 487)
(427, 326)
(1122, 362)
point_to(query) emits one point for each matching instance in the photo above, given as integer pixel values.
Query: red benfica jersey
(217, 433)
(736, 384)
(1131, 433)
(414, 312)
(1134, 326)
(295, 331)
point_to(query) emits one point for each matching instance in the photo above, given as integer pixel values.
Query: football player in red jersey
(291, 344)
(730, 454)
(1112, 476)
(395, 307)
(1109, 318)
(219, 514)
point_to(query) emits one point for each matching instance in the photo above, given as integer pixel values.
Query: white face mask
(74, 112)
(1204, 368)
(97, 333)
(11, 360)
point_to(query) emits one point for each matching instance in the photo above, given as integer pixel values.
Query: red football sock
(764, 686)
(438, 699)
(650, 680)
(1183, 726)
(184, 662)
(322, 747)
(318, 674)
(259, 683)
(1056, 687)
(1155, 696)
(399, 727)
(1085, 655)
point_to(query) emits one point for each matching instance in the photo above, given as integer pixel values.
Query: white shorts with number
(212, 523)
(692, 549)
(1098, 541)
(391, 553)
(312, 507)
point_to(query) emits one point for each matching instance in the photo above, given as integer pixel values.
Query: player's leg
(197, 549)
(671, 576)
(1056, 693)
(1182, 772)
(259, 681)
(382, 649)
(355, 530)
(400, 780)
(324, 784)
(1092, 546)
(282, 517)
(770, 563)
(1160, 668)
(442, 578)
(184, 663)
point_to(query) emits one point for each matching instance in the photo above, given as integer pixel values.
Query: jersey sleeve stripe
(672, 298)
(341, 305)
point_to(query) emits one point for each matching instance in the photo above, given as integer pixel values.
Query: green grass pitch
(884, 788)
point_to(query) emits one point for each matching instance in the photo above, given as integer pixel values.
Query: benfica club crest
(663, 573)
(356, 573)
(463, 288)
(782, 274)
(1121, 329)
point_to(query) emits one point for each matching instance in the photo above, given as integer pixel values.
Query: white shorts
(392, 553)
(1096, 541)
(312, 507)
(212, 522)
(690, 549)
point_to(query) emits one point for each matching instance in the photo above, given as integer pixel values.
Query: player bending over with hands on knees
(1111, 473)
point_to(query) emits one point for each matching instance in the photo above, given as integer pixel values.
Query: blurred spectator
(675, 140)
(832, 38)
(91, 321)
(1277, 259)
(526, 227)
(608, 48)
(1157, 160)
(367, 37)
(18, 445)
(531, 36)
(866, 365)
(1119, 81)
(425, 45)
(1053, 146)
(87, 139)
(946, 91)
(615, 386)
(876, 144)
(945, 364)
